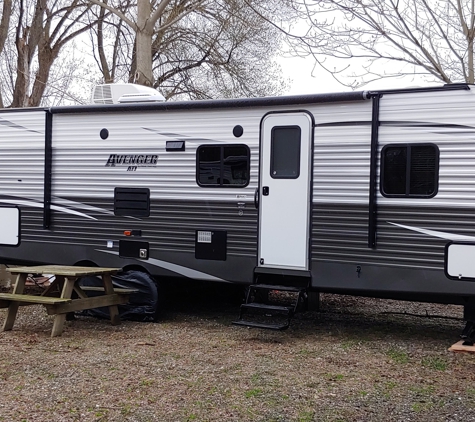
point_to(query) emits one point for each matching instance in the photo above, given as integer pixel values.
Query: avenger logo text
(132, 162)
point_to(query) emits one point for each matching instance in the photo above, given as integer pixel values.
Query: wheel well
(135, 267)
(131, 267)
(86, 263)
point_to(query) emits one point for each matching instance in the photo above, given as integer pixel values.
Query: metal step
(271, 308)
(253, 324)
(277, 287)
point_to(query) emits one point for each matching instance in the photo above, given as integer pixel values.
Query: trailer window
(285, 152)
(223, 165)
(410, 170)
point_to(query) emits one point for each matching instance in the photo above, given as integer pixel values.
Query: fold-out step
(254, 324)
(265, 307)
(270, 311)
(277, 287)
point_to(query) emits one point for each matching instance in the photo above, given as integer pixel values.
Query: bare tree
(187, 48)
(4, 26)
(391, 38)
(143, 20)
(41, 29)
(198, 49)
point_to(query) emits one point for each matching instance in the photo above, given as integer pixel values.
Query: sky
(299, 70)
(307, 80)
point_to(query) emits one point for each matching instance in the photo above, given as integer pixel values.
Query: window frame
(408, 147)
(272, 152)
(222, 185)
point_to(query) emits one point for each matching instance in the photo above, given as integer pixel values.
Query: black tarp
(143, 304)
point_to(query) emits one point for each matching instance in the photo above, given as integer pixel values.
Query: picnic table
(65, 283)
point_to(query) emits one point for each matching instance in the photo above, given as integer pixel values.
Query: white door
(285, 171)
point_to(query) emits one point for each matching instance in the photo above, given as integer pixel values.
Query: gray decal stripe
(434, 233)
(15, 126)
(178, 136)
(34, 204)
(80, 205)
(184, 271)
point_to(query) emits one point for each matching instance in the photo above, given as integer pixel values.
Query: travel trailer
(367, 193)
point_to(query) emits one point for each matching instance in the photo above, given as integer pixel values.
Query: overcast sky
(300, 71)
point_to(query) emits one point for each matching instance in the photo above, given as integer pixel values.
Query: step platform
(259, 312)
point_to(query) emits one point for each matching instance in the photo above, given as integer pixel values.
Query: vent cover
(133, 202)
(103, 94)
(125, 93)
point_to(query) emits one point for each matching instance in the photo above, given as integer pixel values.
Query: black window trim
(272, 152)
(408, 170)
(221, 185)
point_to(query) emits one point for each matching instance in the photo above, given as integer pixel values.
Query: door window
(285, 152)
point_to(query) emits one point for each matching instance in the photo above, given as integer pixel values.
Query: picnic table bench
(66, 279)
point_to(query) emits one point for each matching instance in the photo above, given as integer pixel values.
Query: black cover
(142, 306)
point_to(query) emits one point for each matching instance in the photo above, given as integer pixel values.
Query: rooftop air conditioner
(125, 93)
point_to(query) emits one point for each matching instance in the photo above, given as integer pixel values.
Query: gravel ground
(357, 359)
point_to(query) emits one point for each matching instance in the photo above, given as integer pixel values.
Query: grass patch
(423, 406)
(398, 356)
(349, 344)
(254, 392)
(335, 377)
(423, 390)
(306, 416)
(434, 362)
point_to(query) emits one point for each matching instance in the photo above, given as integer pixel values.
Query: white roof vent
(125, 93)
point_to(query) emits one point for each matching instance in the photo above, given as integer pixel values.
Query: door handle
(265, 191)
(256, 199)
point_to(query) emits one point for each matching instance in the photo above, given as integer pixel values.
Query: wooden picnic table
(66, 281)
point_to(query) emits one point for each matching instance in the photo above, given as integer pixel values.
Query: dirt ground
(357, 359)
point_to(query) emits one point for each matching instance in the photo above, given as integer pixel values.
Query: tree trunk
(27, 39)
(5, 22)
(100, 48)
(46, 57)
(470, 62)
(143, 45)
(4, 26)
(22, 74)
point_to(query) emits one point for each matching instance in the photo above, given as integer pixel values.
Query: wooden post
(109, 290)
(5, 279)
(13, 307)
(65, 294)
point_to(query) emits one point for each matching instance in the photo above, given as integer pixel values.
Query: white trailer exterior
(136, 185)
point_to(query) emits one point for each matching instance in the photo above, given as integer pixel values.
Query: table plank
(41, 300)
(89, 303)
(64, 270)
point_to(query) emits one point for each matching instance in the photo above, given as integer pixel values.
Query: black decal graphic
(139, 160)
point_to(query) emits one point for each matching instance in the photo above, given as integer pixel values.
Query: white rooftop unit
(125, 93)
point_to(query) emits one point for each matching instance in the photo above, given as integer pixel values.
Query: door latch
(265, 190)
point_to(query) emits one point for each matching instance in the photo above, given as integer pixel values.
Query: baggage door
(285, 174)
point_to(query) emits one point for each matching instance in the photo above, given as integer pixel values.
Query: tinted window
(223, 165)
(424, 160)
(394, 177)
(235, 165)
(209, 165)
(410, 170)
(285, 152)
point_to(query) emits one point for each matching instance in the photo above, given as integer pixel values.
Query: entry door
(285, 170)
